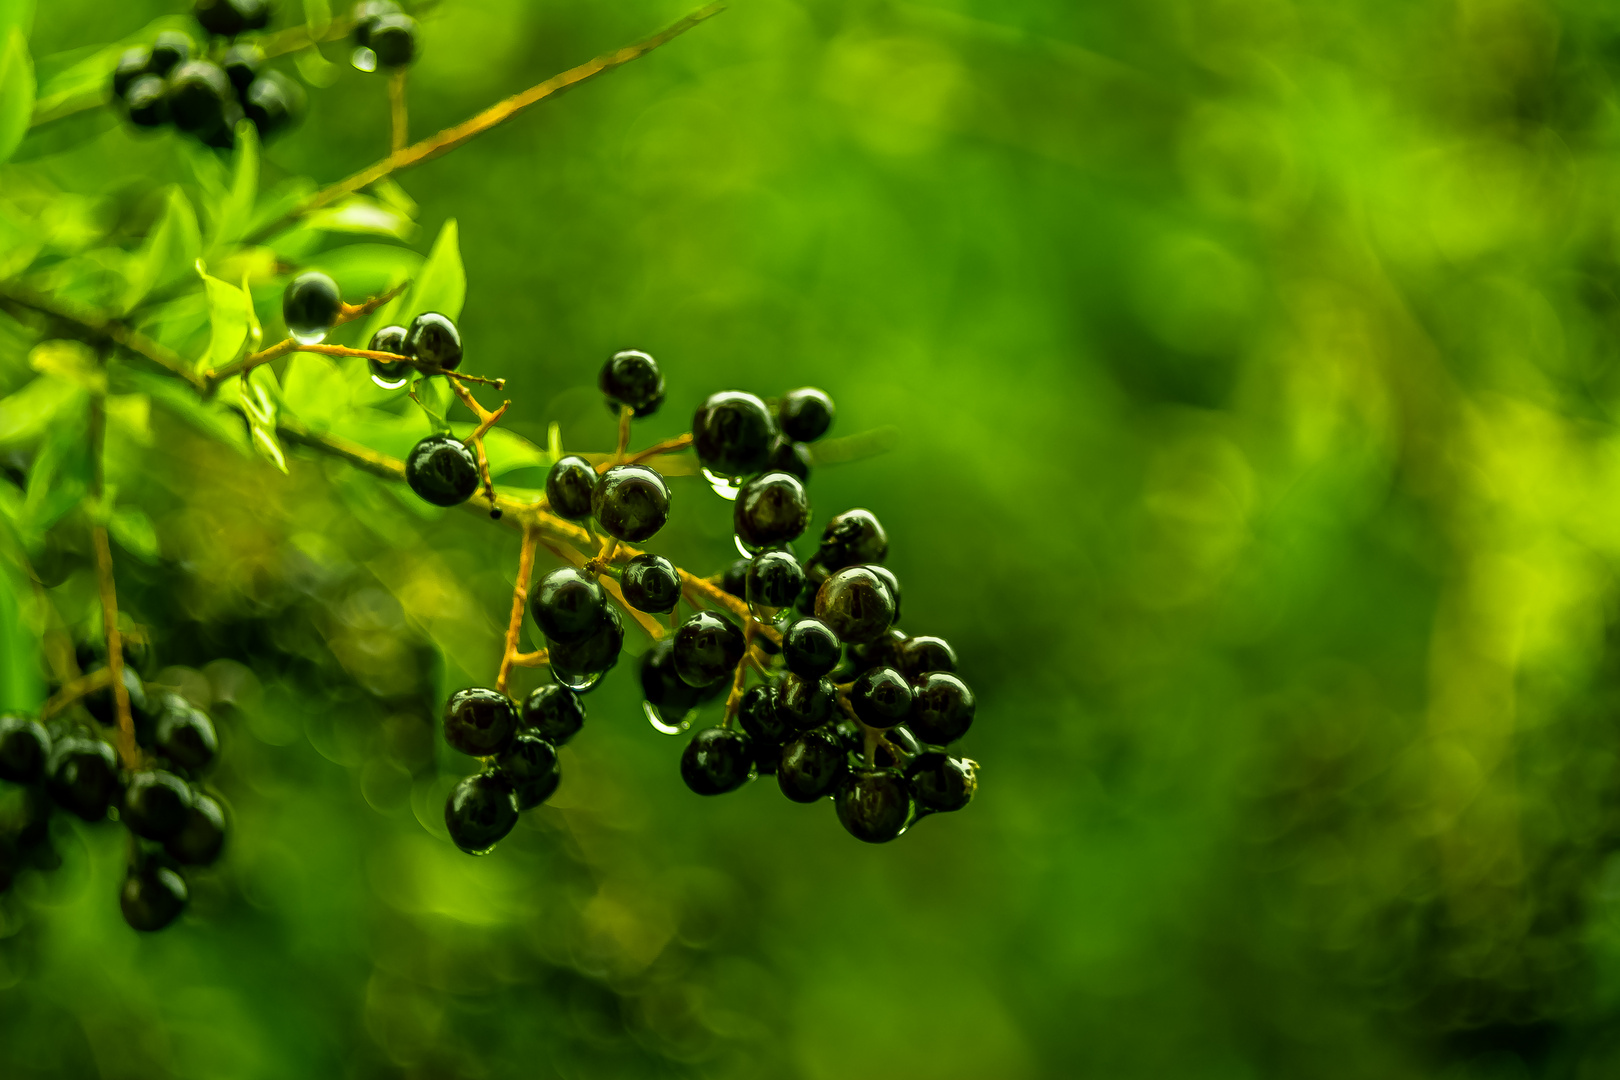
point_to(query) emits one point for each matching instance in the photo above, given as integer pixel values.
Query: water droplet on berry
(656, 719)
(744, 552)
(388, 384)
(364, 59)
(309, 337)
(577, 683)
(724, 486)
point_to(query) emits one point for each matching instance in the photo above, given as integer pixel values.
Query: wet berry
(147, 102)
(132, 64)
(771, 509)
(917, 656)
(735, 579)
(707, 649)
(855, 536)
(434, 340)
(887, 577)
(941, 708)
(805, 703)
(153, 896)
(255, 13)
(24, 749)
(311, 306)
(554, 713)
(774, 579)
(366, 15)
(790, 457)
(199, 840)
(881, 697)
(273, 102)
(579, 665)
(663, 687)
(632, 378)
(874, 805)
(170, 49)
(810, 648)
(185, 735)
(568, 605)
(884, 652)
(569, 487)
(856, 604)
(651, 583)
(198, 95)
(479, 721)
(732, 433)
(631, 502)
(442, 470)
(82, 776)
(393, 39)
(716, 761)
(530, 766)
(480, 811)
(390, 339)
(813, 765)
(757, 715)
(897, 747)
(222, 17)
(941, 783)
(805, 414)
(155, 804)
(242, 65)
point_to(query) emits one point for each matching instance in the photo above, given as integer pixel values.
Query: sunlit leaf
(170, 251)
(16, 90)
(134, 532)
(358, 214)
(260, 397)
(20, 685)
(230, 318)
(442, 283)
(28, 413)
(71, 362)
(236, 209)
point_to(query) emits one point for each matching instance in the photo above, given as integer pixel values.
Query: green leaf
(318, 17)
(20, 647)
(260, 396)
(212, 418)
(18, 15)
(71, 362)
(27, 414)
(134, 532)
(230, 320)
(442, 284)
(358, 214)
(316, 389)
(507, 451)
(170, 251)
(236, 210)
(16, 90)
(60, 475)
(434, 397)
(368, 269)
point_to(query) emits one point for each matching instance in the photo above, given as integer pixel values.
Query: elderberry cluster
(70, 765)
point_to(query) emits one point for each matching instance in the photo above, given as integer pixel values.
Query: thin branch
(496, 114)
(520, 598)
(398, 118)
(668, 446)
(346, 314)
(74, 691)
(127, 750)
(98, 328)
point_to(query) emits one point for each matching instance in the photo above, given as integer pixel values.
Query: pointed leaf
(16, 90)
(442, 284)
(170, 251)
(134, 532)
(230, 315)
(236, 210)
(260, 395)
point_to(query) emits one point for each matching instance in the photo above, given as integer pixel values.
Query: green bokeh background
(1252, 366)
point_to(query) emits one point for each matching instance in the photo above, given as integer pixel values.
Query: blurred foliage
(1254, 363)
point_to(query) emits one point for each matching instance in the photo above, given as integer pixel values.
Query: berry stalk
(520, 597)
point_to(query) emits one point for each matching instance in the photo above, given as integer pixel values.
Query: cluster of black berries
(384, 36)
(206, 95)
(71, 765)
(519, 746)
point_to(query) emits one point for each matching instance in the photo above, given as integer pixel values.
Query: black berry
(757, 715)
(874, 805)
(393, 39)
(554, 713)
(255, 13)
(881, 697)
(24, 749)
(580, 665)
(631, 502)
(82, 776)
(390, 339)
(651, 583)
(185, 735)
(735, 579)
(888, 578)
(806, 414)
(716, 761)
(147, 101)
(897, 747)
(632, 378)
(433, 339)
(366, 15)
(198, 94)
(855, 536)
(774, 579)
(132, 64)
(732, 433)
(273, 102)
(222, 17)
(917, 656)
(569, 487)
(790, 457)
(771, 510)
(813, 765)
(242, 64)
(883, 652)
(311, 306)
(153, 896)
(941, 708)
(568, 605)
(663, 687)
(810, 648)
(530, 766)
(707, 649)
(442, 470)
(155, 804)
(199, 840)
(479, 721)
(940, 782)
(170, 49)
(480, 811)
(25, 816)
(856, 604)
(805, 703)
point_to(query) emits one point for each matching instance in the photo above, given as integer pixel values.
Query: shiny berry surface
(665, 690)
(855, 536)
(132, 64)
(775, 579)
(153, 896)
(881, 697)
(732, 433)
(792, 458)
(814, 576)
(393, 39)
(273, 102)
(200, 839)
(578, 663)
(631, 502)
(917, 656)
(806, 414)
(884, 652)
(530, 766)
(772, 509)
(856, 604)
(812, 766)
(810, 648)
(569, 487)
(82, 777)
(568, 605)
(889, 579)
(479, 721)
(365, 16)
(242, 65)
(805, 703)
(433, 339)
(185, 735)
(874, 805)
(555, 713)
(390, 339)
(155, 804)
(716, 761)
(757, 716)
(198, 94)
(707, 649)
(442, 470)
(651, 583)
(24, 748)
(632, 378)
(479, 813)
(169, 49)
(147, 101)
(311, 305)
(941, 783)
(941, 709)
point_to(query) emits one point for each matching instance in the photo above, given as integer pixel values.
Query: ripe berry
(814, 575)
(874, 805)
(155, 804)
(199, 840)
(568, 605)
(273, 102)
(242, 65)
(479, 721)
(897, 747)
(222, 17)
(790, 457)
(663, 687)
(132, 64)
(707, 649)
(732, 433)
(147, 101)
(530, 766)
(393, 39)
(442, 470)
(632, 378)
(569, 487)
(366, 15)
(480, 811)
(806, 414)
(735, 579)
(390, 339)
(554, 713)
(941, 708)
(813, 765)
(185, 735)
(855, 536)
(255, 13)
(311, 306)
(651, 583)
(774, 579)
(580, 665)
(810, 648)
(434, 340)
(805, 703)
(884, 652)
(917, 656)
(198, 93)
(170, 49)
(941, 783)
(24, 748)
(881, 698)
(887, 577)
(760, 721)
(771, 510)
(716, 761)
(82, 776)
(631, 502)
(856, 604)
(153, 896)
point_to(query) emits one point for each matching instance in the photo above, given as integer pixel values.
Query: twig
(520, 598)
(347, 313)
(486, 420)
(98, 328)
(73, 691)
(625, 413)
(668, 446)
(397, 116)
